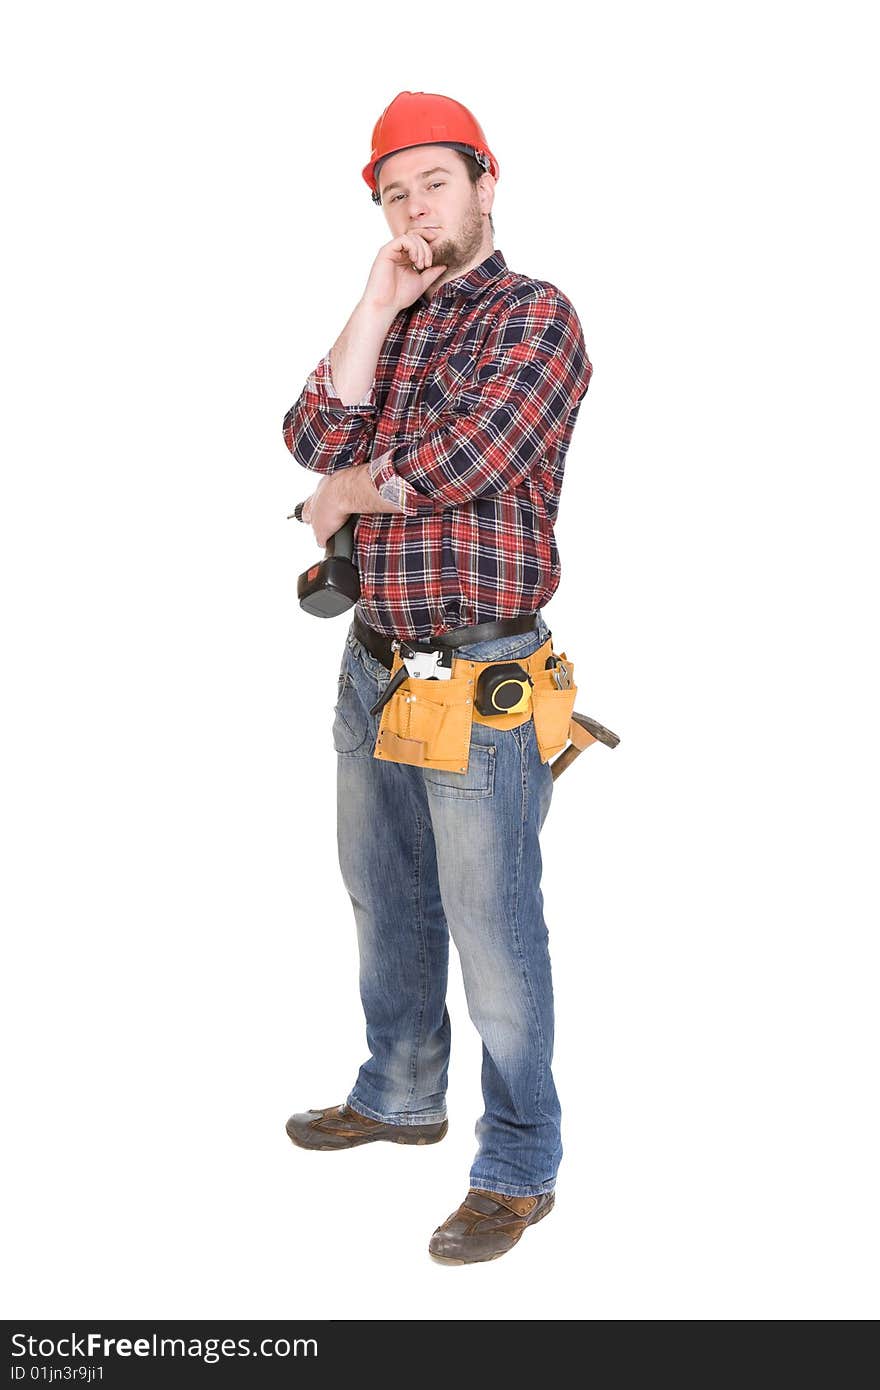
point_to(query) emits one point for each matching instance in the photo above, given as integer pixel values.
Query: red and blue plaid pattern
(466, 427)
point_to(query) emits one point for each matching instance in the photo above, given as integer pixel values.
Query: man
(442, 417)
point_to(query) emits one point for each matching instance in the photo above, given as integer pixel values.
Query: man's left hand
(323, 511)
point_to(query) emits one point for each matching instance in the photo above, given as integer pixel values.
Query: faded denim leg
(424, 853)
(486, 826)
(389, 868)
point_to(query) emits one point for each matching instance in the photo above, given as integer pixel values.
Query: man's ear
(486, 192)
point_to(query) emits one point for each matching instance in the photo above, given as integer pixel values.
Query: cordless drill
(332, 585)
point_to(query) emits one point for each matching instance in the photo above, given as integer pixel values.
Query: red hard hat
(425, 118)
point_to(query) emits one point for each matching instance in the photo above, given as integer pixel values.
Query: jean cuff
(429, 1117)
(511, 1190)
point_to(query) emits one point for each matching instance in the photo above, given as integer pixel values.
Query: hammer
(582, 732)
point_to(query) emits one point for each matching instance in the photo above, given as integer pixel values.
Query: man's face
(427, 190)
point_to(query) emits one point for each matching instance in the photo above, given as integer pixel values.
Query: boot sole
(418, 1138)
(484, 1259)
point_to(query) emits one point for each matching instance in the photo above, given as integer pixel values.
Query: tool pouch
(552, 710)
(427, 723)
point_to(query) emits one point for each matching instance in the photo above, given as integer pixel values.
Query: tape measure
(504, 688)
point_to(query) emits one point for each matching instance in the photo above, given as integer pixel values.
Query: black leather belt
(379, 646)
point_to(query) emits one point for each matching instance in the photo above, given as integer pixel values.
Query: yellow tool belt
(427, 723)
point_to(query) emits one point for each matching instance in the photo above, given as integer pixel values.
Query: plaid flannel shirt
(466, 427)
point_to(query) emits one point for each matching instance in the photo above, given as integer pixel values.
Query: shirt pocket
(448, 389)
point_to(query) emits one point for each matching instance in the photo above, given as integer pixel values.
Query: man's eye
(440, 183)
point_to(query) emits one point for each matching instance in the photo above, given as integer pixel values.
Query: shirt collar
(477, 279)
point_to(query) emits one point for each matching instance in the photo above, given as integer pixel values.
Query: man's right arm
(354, 355)
(333, 422)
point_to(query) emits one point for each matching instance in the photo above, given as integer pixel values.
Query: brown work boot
(486, 1226)
(340, 1127)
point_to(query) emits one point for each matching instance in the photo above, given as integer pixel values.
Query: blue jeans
(425, 854)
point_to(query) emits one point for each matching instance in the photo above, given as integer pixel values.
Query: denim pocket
(479, 780)
(350, 728)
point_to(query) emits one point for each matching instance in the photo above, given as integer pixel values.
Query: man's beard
(456, 252)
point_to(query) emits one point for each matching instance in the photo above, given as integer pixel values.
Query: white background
(186, 233)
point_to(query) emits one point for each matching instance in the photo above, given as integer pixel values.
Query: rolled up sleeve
(520, 400)
(321, 432)
(394, 488)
